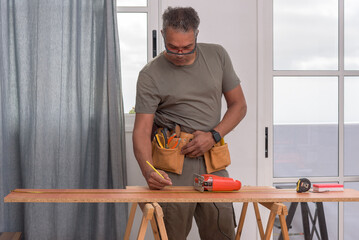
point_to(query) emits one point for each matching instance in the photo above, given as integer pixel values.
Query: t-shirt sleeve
(147, 97)
(230, 78)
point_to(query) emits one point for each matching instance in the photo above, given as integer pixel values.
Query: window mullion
(341, 35)
(341, 89)
(341, 111)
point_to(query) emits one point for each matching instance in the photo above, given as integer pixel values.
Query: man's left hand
(201, 143)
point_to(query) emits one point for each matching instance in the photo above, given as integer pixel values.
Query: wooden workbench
(176, 194)
(268, 197)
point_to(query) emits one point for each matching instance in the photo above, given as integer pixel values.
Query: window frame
(266, 73)
(152, 11)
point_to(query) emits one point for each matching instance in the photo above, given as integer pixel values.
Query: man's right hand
(155, 181)
(142, 149)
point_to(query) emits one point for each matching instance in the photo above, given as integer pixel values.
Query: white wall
(233, 24)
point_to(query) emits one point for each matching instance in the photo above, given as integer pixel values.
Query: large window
(305, 34)
(305, 126)
(136, 19)
(351, 126)
(351, 35)
(310, 78)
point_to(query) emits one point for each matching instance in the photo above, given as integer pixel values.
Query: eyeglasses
(183, 51)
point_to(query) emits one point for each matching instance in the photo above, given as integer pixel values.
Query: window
(351, 34)
(136, 19)
(305, 126)
(351, 126)
(305, 34)
(308, 85)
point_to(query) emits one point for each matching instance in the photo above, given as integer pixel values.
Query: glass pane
(351, 35)
(305, 34)
(132, 3)
(305, 129)
(351, 215)
(132, 28)
(296, 231)
(351, 126)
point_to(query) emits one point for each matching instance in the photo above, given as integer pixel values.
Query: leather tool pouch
(217, 158)
(169, 159)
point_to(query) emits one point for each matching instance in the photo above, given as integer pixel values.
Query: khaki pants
(214, 220)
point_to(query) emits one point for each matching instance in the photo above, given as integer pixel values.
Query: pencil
(154, 169)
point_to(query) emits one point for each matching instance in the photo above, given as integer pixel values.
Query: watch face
(216, 136)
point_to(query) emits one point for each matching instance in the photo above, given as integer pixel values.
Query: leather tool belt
(170, 159)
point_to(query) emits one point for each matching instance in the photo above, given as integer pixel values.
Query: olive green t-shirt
(187, 95)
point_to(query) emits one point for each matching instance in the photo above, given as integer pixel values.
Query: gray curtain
(61, 115)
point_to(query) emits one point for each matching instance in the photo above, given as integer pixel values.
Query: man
(183, 87)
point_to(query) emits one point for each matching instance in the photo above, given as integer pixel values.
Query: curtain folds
(61, 115)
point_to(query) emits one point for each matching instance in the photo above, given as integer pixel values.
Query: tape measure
(303, 185)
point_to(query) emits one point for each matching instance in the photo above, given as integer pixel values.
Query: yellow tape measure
(303, 185)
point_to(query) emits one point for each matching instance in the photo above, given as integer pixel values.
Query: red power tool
(213, 183)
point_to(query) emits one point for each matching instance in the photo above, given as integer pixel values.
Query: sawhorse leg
(146, 217)
(160, 225)
(151, 212)
(130, 221)
(292, 208)
(243, 216)
(275, 209)
(241, 220)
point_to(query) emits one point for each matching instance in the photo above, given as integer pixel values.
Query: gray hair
(180, 18)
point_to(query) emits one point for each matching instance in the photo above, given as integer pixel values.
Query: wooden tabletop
(176, 194)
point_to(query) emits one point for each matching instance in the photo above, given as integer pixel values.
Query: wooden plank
(137, 188)
(177, 194)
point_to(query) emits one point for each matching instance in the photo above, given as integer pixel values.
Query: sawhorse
(275, 209)
(153, 212)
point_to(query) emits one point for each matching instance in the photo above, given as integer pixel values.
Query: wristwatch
(216, 136)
